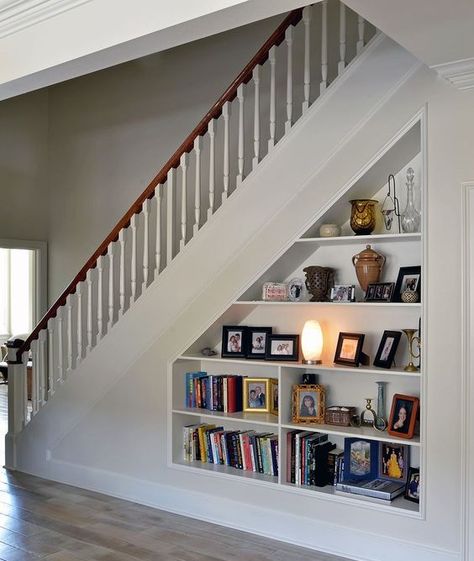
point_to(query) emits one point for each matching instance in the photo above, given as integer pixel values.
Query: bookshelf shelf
(388, 305)
(356, 240)
(226, 471)
(264, 419)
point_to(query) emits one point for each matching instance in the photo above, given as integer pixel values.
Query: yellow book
(202, 440)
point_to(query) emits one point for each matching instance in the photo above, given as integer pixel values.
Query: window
(17, 292)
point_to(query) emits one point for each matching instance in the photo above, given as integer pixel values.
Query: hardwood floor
(44, 520)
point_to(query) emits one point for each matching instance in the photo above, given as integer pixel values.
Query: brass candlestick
(412, 339)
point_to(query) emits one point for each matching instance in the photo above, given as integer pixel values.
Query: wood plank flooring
(44, 520)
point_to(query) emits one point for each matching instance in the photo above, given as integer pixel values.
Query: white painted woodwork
(69, 328)
(169, 216)
(100, 298)
(79, 322)
(289, 78)
(212, 166)
(111, 295)
(226, 116)
(121, 240)
(133, 265)
(89, 312)
(197, 185)
(324, 46)
(60, 367)
(51, 363)
(360, 33)
(272, 60)
(307, 52)
(158, 196)
(42, 366)
(241, 139)
(35, 391)
(146, 243)
(184, 199)
(342, 38)
(256, 117)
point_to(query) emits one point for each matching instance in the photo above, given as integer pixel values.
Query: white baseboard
(298, 530)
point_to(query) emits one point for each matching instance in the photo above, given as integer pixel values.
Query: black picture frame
(342, 355)
(229, 331)
(400, 285)
(394, 461)
(387, 348)
(380, 292)
(252, 334)
(273, 341)
(412, 487)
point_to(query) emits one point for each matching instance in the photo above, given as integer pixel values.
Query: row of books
(245, 450)
(215, 393)
(307, 458)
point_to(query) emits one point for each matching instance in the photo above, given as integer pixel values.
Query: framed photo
(283, 347)
(361, 459)
(257, 395)
(380, 292)
(274, 396)
(412, 489)
(343, 293)
(234, 341)
(309, 403)
(403, 416)
(296, 290)
(409, 278)
(394, 461)
(387, 349)
(349, 349)
(257, 341)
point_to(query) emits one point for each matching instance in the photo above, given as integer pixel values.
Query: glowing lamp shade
(312, 342)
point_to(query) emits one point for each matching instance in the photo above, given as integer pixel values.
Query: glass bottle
(411, 218)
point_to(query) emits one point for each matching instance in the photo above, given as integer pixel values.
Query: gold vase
(363, 216)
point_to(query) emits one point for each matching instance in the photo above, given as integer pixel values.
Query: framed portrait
(234, 341)
(309, 403)
(257, 341)
(343, 293)
(387, 349)
(412, 489)
(380, 292)
(349, 349)
(257, 395)
(296, 290)
(274, 396)
(361, 459)
(409, 278)
(394, 461)
(403, 415)
(283, 347)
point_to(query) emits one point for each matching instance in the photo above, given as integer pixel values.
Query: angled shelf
(371, 239)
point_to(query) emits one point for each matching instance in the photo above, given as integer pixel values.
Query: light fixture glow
(312, 342)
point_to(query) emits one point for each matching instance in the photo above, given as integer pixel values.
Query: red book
(234, 394)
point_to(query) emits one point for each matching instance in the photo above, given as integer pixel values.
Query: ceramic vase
(368, 265)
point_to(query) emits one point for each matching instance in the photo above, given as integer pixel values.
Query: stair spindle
(158, 191)
(60, 373)
(307, 50)
(184, 199)
(272, 59)
(169, 216)
(240, 149)
(50, 346)
(289, 78)
(42, 367)
(146, 242)
(122, 272)
(89, 311)
(79, 322)
(197, 186)
(110, 319)
(34, 377)
(69, 333)
(256, 117)
(342, 38)
(226, 115)
(360, 30)
(133, 268)
(100, 292)
(324, 46)
(212, 167)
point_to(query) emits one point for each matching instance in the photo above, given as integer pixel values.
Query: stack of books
(307, 458)
(376, 488)
(215, 393)
(245, 450)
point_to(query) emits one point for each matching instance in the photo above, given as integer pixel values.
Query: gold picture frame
(306, 400)
(274, 396)
(257, 396)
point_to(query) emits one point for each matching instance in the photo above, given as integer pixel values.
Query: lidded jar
(368, 265)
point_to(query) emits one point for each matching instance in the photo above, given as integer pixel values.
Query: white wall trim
(20, 14)
(459, 72)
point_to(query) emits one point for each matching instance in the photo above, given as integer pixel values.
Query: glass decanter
(411, 218)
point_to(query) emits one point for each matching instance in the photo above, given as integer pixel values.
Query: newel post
(16, 400)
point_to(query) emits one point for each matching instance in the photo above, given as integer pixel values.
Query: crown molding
(16, 15)
(460, 72)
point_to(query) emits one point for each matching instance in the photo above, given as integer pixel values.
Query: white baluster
(100, 293)
(226, 114)
(26, 414)
(324, 46)
(272, 59)
(69, 333)
(111, 253)
(240, 150)
(307, 50)
(79, 322)
(169, 216)
(122, 272)
(197, 185)
(256, 117)
(184, 199)
(51, 365)
(42, 367)
(289, 78)
(133, 268)
(212, 169)
(146, 242)
(60, 372)
(158, 190)
(360, 29)
(89, 311)
(342, 38)
(34, 377)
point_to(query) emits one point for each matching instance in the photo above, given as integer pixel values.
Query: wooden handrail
(214, 112)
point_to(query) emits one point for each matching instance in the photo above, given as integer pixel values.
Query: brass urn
(363, 216)
(368, 265)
